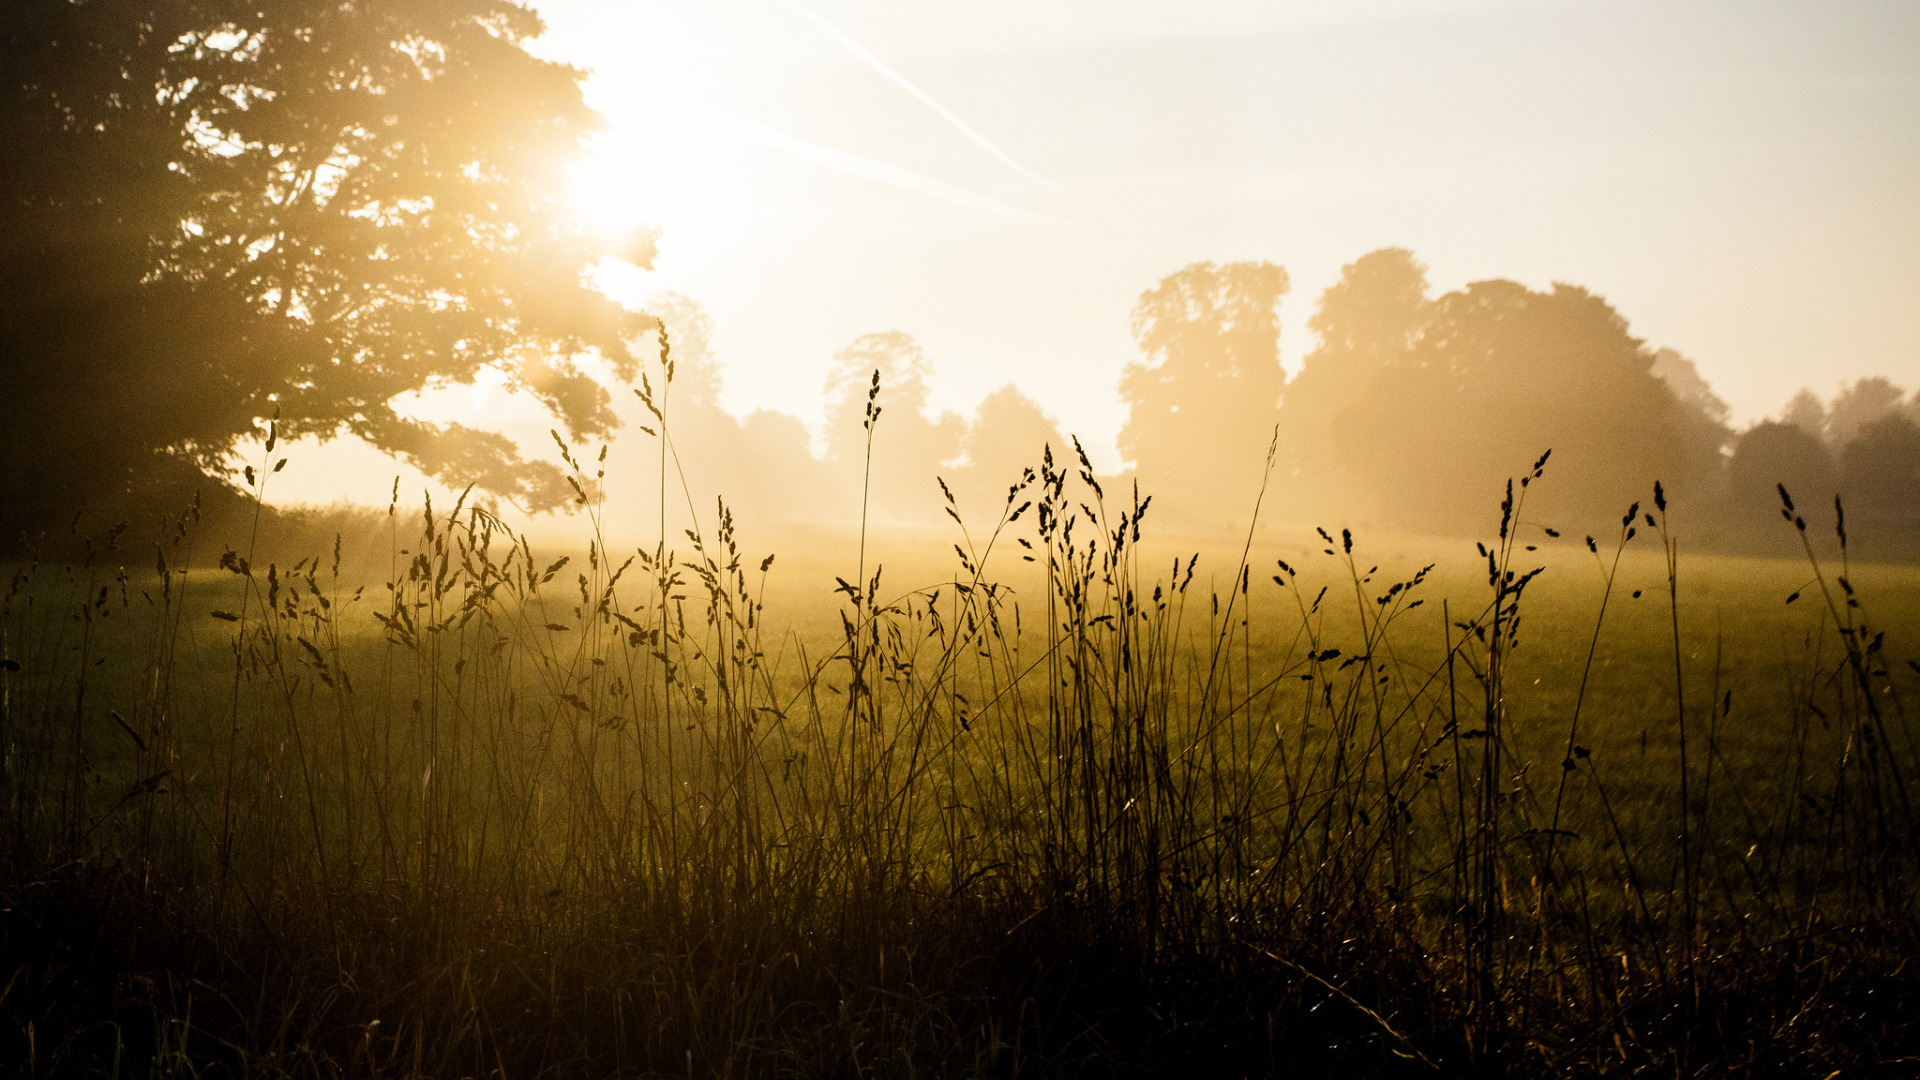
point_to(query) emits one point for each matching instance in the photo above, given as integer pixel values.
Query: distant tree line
(221, 222)
(1412, 410)
(905, 469)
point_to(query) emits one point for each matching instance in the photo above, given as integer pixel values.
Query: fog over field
(764, 538)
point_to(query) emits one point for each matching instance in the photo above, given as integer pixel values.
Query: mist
(829, 538)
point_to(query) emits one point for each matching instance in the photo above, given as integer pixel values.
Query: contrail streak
(721, 122)
(925, 98)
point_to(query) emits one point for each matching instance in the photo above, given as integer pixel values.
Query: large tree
(1010, 434)
(1202, 398)
(1499, 374)
(1880, 471)
(1858, 406)
(892, 465)
(1769, 456)
(1703, 421)
(1365, 324)
(212, 212)
(1807, 412)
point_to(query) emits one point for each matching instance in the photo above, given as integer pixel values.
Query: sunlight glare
(664, 173)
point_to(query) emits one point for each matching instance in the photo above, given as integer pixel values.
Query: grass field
(1066, 798)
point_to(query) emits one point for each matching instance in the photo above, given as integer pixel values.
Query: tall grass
(515, 814)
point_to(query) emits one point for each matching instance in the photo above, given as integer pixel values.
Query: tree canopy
(1202, 396)
(213, 213)
(761, 465)
(1499, 374)
(908, 446)
(1010, 434)
(1880, 470)
(1858, 406)
(1775, 454)
(1365, 323)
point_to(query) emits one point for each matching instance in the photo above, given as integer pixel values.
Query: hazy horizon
(1003, 182)
(845, 538)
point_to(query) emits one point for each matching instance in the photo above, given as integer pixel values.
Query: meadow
(1056, 795)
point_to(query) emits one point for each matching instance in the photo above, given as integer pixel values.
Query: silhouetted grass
(1071, 810)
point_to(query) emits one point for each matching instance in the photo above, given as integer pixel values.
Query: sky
(1003, 179)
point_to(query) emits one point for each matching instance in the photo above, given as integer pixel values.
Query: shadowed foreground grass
(1071, 810)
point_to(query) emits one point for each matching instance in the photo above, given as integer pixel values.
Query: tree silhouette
(1702, 421)
(1774, 454)
(762, 466)
(1880, 470)
(1202, 399)
(1008, 435)
(212, 213)
(1365, 322)
(782, 480)
(908, 447)
(1498, 375)
(1807, 412)
(1859, 405)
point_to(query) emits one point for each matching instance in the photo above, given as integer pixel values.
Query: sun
(666, 175)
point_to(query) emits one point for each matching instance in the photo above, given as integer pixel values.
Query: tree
(1771, 455)
(1689, 388)
(1202, 398)
(1859, 405)
(213, 213)
(1009, 434)
(1365, 323)
(1807, 412)
(761, 465)
(1880, 470)
(704, 438)
(908, 447)
(1703, 422)
(787, 482)
(1499, 374)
